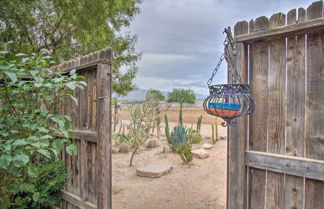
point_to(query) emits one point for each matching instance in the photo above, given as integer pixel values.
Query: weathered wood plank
(238, 135)
(314, 194)
(104, 135)
(315, 106)
(75, 200)
(276, 112)
(280, 32)
(295, 121)
(259, 119)
(297, 166)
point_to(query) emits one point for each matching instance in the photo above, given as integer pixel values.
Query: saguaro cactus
(199, 124)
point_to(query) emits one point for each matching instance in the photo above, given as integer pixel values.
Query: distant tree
(69, 28)
(182, 96)
(155, 95)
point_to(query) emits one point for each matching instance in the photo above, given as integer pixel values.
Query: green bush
(47, 187)
(193, 136)
(29, 95)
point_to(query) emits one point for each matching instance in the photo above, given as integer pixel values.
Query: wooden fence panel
(89, 185)
(295, 121)
(315, 106)
(285, 153)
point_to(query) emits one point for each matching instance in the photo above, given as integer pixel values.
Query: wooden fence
(89, 186)
(276, 156)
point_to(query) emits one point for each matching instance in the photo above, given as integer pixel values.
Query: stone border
(83, 62)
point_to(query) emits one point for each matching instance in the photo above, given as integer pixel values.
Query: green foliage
(154, 95)
(184, 152)
(181, 96)
(199, 124)
(142, 121)
(181, 144)
(45, 187)
(167, 129)
(29, 95)
(120, 138)
(69, 28)
(193, 136)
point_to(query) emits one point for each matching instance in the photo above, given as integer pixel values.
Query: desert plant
(199, 124)
(193, 136)
(142, 121)
(181, 144)
(214, 133)
(167, 129)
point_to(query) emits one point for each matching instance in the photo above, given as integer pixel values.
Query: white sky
(181, 40)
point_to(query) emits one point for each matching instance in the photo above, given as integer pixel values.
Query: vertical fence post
(237, 135)
(104, 133)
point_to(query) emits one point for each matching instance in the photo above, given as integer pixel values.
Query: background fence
(276, 156)
(89, 186)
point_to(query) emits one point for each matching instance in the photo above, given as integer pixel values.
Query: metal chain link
(229, 59)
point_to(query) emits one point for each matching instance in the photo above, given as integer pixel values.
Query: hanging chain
(228, 57)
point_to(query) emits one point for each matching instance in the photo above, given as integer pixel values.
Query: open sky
(182, 40)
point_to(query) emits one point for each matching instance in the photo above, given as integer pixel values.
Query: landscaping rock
(207, 146)
(152, 143)
(153, 171)
(223, 138)
(123, 148)
(200, 153)
(114, 150)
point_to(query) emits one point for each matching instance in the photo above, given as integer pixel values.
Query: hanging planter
(228, 101)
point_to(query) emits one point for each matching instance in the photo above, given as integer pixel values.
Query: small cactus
(180, 143)
(199, 124)
(213, 134)
(167, 129)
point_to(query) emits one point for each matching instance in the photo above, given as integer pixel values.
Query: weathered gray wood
(314, 194)
(315, 106)
(86, 135)
(297, 166)
(276, 112)
(294, 192)
(75, 200)
(259, 119)
(104, 135)
(294, 29)
(295, 122)
(237, 135)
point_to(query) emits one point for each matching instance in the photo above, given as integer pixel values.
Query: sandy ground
(202, 185)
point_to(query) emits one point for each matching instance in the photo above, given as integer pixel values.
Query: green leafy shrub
(194, 136)
(120, 138)
(29, 95)
(47, 186)
(181, 144)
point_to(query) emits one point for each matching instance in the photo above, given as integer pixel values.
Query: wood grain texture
(280, 32)
(297, 166)
(315, 106)
(104, 136)
(295, 121)
(258, 121)
(238, 135)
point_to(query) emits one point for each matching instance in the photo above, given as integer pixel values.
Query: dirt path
(200, 186)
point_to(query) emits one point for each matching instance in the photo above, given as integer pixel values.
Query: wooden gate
(89, 186)
(276, 156)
